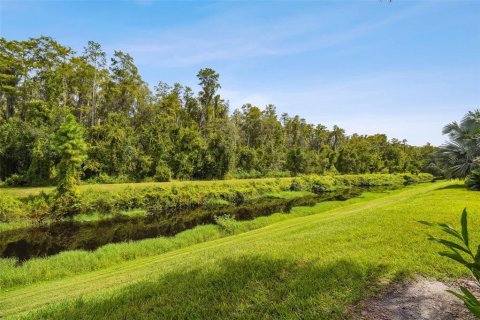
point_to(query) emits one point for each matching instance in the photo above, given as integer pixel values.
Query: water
(40, 241)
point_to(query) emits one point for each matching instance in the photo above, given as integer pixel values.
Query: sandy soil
(418, 300)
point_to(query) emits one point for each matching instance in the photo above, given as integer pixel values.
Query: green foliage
(461, 155)
(130, 129)
(72, 149)
(473, 180)
(461, 252)
(15, 180)
(11, 209)
(40, 207)
(226, 222)
(162, 173)
(108, 199)
(296, 161)
(104, 178)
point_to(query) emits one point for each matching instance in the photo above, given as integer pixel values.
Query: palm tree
(461, 154)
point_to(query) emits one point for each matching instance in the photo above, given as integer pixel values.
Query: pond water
(46, 240)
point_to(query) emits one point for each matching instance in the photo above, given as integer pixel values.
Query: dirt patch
(418, 300)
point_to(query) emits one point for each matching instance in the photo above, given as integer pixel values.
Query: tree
(296, 161)
(133, 133)
(207, 96)
(461, 155)
(72, 150)
(96, 58)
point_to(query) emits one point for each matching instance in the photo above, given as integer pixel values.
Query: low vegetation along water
(47, 240)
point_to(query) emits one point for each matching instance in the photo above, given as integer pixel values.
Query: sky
(403, 68)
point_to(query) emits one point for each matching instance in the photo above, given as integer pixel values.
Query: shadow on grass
(247, 287)
(453, 186)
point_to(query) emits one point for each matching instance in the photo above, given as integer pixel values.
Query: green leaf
(445, 228)
(469, 300)
(427, 223)
(455, 256)
(450, 230)
(464, 226)
(469, 295)
(449, 244)
(458, 295)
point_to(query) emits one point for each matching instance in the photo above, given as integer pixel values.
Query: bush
(227, 223)
(15, 180)
(473, 181)
(104, 178)
(66, 204)
(39, 207)
(295, 186)
(10, 208)
(162, 173)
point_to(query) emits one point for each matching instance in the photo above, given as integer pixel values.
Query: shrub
(104, 178)
(10, 208)
(39, 207)
(162, 173)
(409, 180)
(66, 204)
(226, 222)
(15, 180)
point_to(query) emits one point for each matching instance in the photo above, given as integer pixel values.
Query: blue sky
(404, 68)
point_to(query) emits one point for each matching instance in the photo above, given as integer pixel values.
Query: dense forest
(133, 133)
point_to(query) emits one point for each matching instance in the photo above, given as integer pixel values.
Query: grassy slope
(314, 265)
(21, 192)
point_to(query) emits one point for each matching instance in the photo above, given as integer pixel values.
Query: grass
(22, 192)
(312, 264)
(110, 199)
(288, 195)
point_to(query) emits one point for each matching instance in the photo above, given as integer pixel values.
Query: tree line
(134, 133)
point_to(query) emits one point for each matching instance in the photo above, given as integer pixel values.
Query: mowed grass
(312, 264)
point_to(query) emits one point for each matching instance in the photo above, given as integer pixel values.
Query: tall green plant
(461, 252)
(473, 180)
(72, 149)
(461, 154)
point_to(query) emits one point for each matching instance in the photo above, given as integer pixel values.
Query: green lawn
(311, 264)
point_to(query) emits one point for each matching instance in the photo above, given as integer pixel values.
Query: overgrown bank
(171, 196)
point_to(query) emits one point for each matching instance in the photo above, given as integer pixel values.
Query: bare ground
(418, 300)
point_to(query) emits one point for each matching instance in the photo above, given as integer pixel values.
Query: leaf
(427, 223)
(469, 300)
(464, 226)
(449, 244)
(450, 230)
(469, 295)
(445, 227)
(455, 256)
(458, 295)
